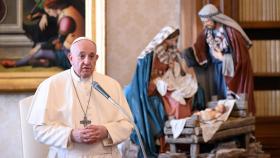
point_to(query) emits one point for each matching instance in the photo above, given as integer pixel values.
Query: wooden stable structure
(239, 124)
(192, 133)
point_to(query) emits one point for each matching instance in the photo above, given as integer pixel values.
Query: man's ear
(69, 56)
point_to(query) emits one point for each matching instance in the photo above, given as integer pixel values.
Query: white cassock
(56, 110)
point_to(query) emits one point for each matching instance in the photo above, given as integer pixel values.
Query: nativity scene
(180, 81)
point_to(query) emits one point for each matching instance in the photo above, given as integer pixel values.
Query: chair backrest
(31, 148)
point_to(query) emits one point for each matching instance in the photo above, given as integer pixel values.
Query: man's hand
(95, 133)
(43, 22)
(89, 135)
(218, 54)
(78, 135)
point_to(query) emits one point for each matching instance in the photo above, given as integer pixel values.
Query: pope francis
(72, 118)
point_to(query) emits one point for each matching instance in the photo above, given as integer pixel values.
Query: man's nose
(87, 60)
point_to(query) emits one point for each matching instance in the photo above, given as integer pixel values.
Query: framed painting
(17, 41)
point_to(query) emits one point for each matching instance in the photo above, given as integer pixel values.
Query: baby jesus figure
(211, 113)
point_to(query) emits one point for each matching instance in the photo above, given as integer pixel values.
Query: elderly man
(71, 117)
(222, 48)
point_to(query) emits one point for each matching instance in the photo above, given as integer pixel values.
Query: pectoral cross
(85, 121)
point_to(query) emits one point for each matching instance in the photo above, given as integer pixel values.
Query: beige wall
(130, 25)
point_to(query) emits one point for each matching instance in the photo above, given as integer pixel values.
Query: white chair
(31, 148)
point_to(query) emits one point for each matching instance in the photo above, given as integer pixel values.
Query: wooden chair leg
(194, 150)
(247, 140)
(172, 148)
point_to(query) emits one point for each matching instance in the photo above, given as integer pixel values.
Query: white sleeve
(120, 129)
(53, 135)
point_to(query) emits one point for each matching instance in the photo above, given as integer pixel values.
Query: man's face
(83, 58)
(208, 23)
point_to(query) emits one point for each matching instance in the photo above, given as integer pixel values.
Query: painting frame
(29, 81)
(16, 26)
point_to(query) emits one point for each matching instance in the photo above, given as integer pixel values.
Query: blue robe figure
(148, 110)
